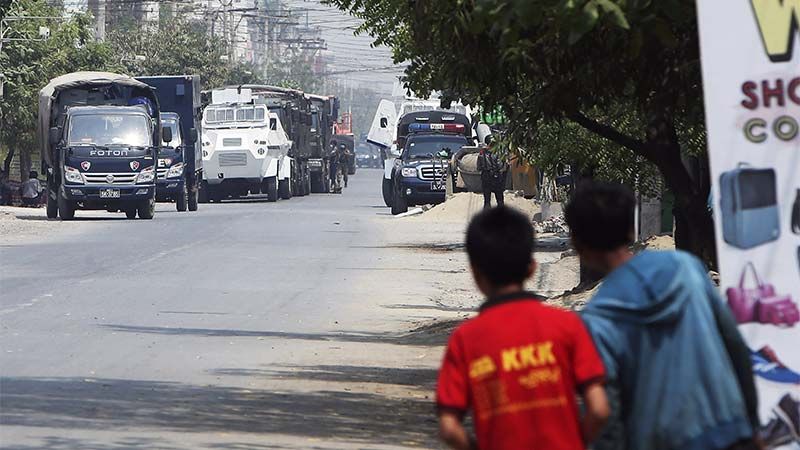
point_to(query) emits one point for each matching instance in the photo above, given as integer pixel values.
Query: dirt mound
(660, 242)
(462, 206)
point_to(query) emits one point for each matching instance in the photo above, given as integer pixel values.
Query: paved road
(245, 325)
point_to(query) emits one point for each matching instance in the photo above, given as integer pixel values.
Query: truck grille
(231, 142)
(232, 159)
(109, 178)
(430, 173)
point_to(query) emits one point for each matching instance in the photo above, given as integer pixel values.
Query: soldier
(493, 176)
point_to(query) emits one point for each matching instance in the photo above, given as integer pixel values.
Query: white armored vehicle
(245, 149)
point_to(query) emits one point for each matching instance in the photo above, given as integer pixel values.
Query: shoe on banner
(767, 365)
(788, 410)
(775, 434)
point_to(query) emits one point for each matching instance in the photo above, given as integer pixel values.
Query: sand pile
(462, 206)
(660, 242)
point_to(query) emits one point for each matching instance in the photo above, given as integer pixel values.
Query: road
(247, 325)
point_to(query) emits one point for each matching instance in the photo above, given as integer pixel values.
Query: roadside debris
(556, 224)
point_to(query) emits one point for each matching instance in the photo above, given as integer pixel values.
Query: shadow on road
(423, 378)
(413, 338)
(108, 404)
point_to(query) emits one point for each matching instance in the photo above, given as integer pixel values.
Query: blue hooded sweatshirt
(653, 323)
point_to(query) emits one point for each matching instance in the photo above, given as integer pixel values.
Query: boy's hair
(500, 245)
(600, 215)
(33, 174)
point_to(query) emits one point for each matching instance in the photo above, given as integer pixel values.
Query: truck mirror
(273, 124)
(192, 135)
(166, 134)
(55, 135)
(384, 122)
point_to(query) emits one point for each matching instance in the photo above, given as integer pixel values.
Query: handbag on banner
(760, 303)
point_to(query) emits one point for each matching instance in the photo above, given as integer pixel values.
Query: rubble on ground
(555, 225)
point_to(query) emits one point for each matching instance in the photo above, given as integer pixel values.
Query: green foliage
(543, 61)
(175, 47)
(30, 64)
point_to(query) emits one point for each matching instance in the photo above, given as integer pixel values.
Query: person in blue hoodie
(678, 371)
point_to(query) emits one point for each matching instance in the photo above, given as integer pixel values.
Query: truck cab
(108, 155)
(171, 183)
(245, 148)
(100, 135)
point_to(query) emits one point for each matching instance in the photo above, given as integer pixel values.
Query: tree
(174, 47)
(578, 62)
(30, 64)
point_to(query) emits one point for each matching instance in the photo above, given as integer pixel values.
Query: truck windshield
(176, 134)
(249, 115)
(109, 129)
(428, 146)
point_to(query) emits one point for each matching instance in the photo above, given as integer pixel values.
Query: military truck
(180, 164)
(99, 136)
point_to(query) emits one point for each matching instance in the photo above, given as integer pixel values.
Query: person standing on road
(493, 176)
(669, 344)
(31, 189)
(518, 364)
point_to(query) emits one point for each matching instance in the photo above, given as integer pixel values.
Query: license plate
(109, 193)
(437, 186)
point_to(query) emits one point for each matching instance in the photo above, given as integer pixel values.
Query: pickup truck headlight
(72, 175)
(409, 171)
(147, 175)
(175, 171)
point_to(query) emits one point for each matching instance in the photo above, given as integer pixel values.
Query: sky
(364, 66)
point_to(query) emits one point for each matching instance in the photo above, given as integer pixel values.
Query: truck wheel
(202, 192)
(270, 187)
(52, 205)
(130, 213)
(147, 209)
(387, 192)
(285, 189)
(399, 203)
(66, 208)
(192, 200)
(182, 199)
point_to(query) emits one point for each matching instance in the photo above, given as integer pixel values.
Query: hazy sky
(366, 66)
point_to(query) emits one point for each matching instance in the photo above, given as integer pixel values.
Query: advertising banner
(751, 80)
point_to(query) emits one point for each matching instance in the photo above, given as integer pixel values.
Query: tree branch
(611, 134)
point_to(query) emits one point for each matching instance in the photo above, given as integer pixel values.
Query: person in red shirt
(519, 365)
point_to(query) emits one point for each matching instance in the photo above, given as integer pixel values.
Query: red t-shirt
(517, 367)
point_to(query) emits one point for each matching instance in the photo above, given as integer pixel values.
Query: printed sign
(751, 79)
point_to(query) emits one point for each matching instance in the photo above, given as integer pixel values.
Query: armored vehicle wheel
(285, 189)
(270, 187)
